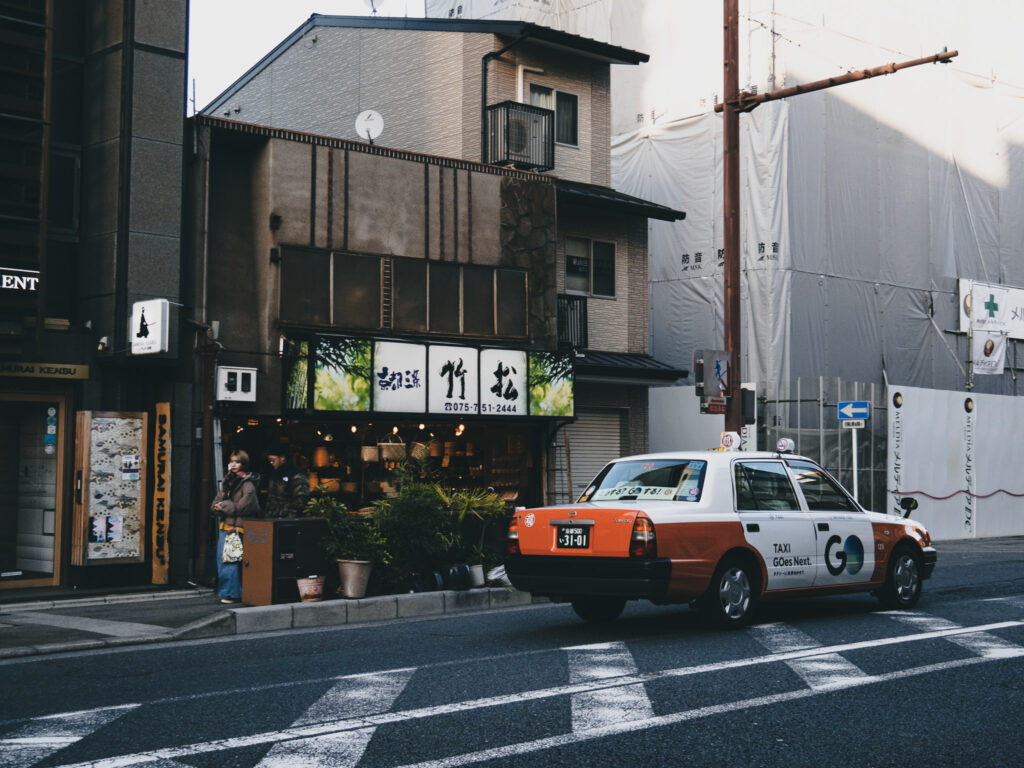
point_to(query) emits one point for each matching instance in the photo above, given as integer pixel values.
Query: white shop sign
(399, 377)
(454, 377)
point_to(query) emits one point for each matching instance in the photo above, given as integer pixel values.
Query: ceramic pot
(354, 576)
(311, 589)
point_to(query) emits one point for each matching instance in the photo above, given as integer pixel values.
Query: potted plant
(419, 534)
(354, 542)
(472, 511)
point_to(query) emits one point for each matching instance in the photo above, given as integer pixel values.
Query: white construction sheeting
(965, 475)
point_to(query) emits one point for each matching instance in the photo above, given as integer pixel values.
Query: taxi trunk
(587, 549)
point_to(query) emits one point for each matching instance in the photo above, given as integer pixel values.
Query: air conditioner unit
(519, 127)
(236, 384)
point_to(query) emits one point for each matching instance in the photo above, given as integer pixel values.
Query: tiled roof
(595, 196)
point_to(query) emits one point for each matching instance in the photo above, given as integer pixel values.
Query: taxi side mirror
(908, 504)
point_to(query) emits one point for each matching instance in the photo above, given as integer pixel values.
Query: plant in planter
(419, 532)
(473, 513)
(356, 543)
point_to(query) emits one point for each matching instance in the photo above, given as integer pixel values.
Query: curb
(266, 618)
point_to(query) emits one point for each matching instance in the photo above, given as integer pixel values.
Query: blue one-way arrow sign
(853, 409)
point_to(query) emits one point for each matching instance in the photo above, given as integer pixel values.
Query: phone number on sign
(464, 407)
(488, 408)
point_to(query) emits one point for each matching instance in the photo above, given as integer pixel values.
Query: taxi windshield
(650, 480)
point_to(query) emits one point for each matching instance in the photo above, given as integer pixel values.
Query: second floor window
(566, 107)
(362, 291)
(589, 267)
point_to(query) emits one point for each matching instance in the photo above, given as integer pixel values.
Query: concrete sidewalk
(113, 620)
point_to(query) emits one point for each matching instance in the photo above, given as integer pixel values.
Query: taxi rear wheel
(730, 599)
(902, 588)
(598, 609)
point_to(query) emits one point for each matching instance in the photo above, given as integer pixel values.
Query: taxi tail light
(642, 542)
(512, 545)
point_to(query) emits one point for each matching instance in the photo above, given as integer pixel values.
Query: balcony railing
(572, 321)
(521, 135)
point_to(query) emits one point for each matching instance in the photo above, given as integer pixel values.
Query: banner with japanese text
(329, 373)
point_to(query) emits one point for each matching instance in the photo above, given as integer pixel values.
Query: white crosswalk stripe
(607, 693)
(596, 709)
(44, 736)
(981, 643)
(828, 670)
(350, 697)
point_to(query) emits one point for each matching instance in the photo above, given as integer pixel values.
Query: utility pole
(731, 168)
(733, 103)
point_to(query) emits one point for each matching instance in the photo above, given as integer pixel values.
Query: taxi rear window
(656, 480)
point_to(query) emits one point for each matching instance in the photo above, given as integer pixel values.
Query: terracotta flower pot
(311, 588)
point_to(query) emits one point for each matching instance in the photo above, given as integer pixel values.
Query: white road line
(386, 718)
(43, 736)
(97, 626)
(348, 698)
(981, 643)
(829, 670)
(596, 709)
(515, 750)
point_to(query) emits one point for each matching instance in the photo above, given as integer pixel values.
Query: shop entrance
(360, 463)
(31, 461)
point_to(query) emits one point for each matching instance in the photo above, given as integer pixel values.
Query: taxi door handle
(753, 528)
(822, 526)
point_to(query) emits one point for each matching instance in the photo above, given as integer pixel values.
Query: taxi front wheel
(902, 588)
(730, 599)
(598, 609)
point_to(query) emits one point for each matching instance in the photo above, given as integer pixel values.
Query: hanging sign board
(992, 308)
(149, 332)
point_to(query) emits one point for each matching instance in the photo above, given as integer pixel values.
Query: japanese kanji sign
(399, 377)
(454, 374)
(503, 382)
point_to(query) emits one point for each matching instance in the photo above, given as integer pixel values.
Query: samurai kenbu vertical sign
(161, 493)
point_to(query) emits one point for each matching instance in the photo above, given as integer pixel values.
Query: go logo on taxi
(850, 557)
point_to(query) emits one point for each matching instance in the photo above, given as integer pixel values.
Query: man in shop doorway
(287, 485)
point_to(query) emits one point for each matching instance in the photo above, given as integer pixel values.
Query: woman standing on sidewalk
(236, 500)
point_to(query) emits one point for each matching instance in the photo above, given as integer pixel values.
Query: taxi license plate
(573, 537)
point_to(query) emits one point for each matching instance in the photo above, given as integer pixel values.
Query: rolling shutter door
(595, 438)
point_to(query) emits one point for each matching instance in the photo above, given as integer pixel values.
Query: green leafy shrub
(474, 514)
(348, 537)
(418, 529)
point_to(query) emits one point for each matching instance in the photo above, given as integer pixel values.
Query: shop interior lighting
(353, 429)
(421, 426)
(394, 430)
(328, 437)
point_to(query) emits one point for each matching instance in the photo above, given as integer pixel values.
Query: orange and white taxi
(724, 529)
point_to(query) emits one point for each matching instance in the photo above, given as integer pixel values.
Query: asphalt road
(813, 683)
